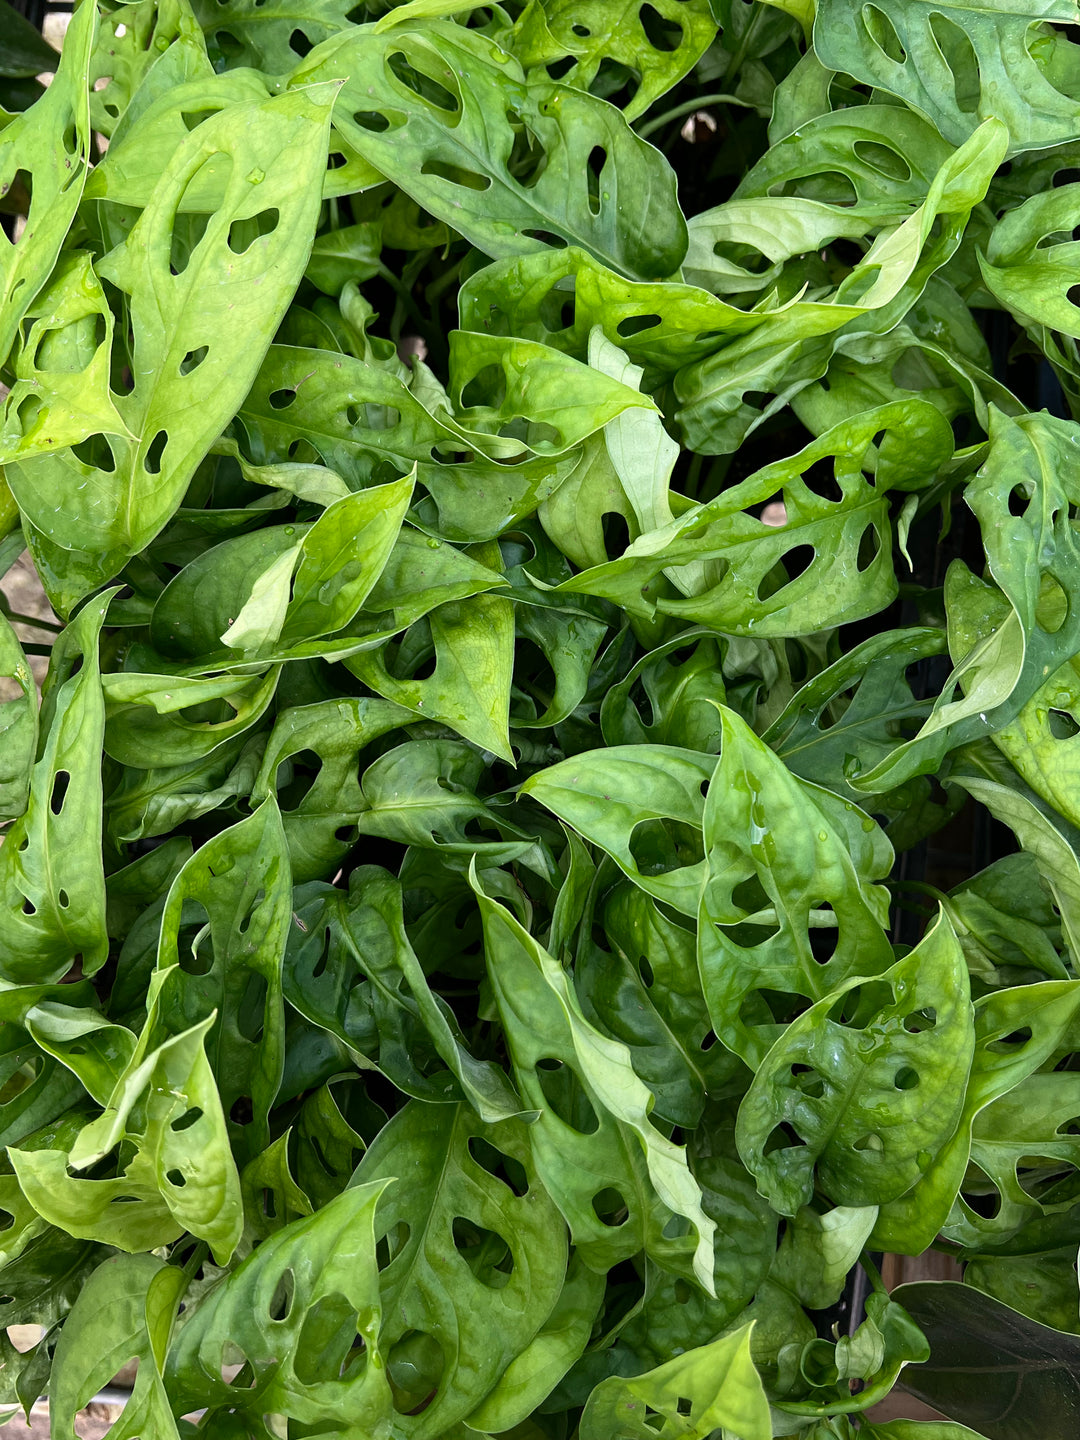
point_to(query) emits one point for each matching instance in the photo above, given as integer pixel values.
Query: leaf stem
(688, 107)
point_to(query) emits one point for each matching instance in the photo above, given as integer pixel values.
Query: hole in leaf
(883, 159)
(61, 781)
(425, 86)
(883, 33)
(593, 168)
(869, 1142)
(546, 237)
(468, 179)
(959, 55)
(176, 1177)
(920, 1020)
(300, 44)
(563, 1093)
(487, 387)
(154, 452)
(486, 1253)
(646, 972)
(244, 233)
(281, 399)
(1062, 725)
(662, 34)
(193, 359)
(372, 120)
(189, 1118)
(391, 1244)
(188, 229)
(28, 906)
(95, 452)
(194, 118)
(241, 1110)
(906, 1078)
(557, 69)
(325, 1339)
(660, 846)
(415, 1365)
(869, 547)
(282, 1298)
(250, 1013)
(796, 562)
(807, 1080)
(635, 324)
(504, 1167)
(610, 1207)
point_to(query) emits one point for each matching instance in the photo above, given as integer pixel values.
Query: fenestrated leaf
(417, 108)
(18, 724)
(831, 557)
(643, 805)
(1039, 1016)
(350, 969)
(52, 883)
(792, 907)
(29, 143)
(269, 36)
(469, 687)
(583, 1158)
(682, 689)
(334, 732)
(61, 393)
(473, 1266)
(164, 1107)
(957, 64)
(533, 1373)
(232, 901)
(303, 1314)
(125, 1312)
(874, 1100)
(190, 367)
(549, 31)
(715, 1387)
(558, 297)
(1000, 674)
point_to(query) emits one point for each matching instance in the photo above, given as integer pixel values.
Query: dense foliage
(514, 480)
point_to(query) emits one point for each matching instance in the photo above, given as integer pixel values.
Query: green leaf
(582, 1163)
(18, 725)
(334, 732)
(957, 64)
(269, 37)
(51, 877)
(693, 1396)
(792, 908)
(28, 146)
(829, 561)
(643, 805)
(350, 969)
(125, 1312)
(1038, 1016)
(550, 31)
(188, 361)
(872, 1101)
(232, 903)
(474, 1266)
(416, 108)
(303, 1315)
(559, 297)
(469, 687)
